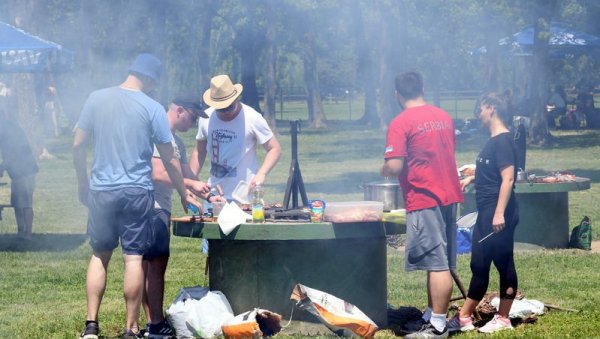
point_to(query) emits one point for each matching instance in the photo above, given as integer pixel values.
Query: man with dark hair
(182, 115)
(124, 124)
(420, 152)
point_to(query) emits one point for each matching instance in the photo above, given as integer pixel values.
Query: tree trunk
(270, 79)
(311, 84)
(159, 11)
(367, 68)
(539, 133)
(387, 98)
(209, 10)
(246, 43)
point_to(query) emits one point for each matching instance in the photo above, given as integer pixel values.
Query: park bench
(2, 207)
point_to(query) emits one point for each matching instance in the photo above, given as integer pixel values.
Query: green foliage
(42, 284)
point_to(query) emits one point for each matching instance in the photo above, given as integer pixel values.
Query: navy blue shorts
(160, 234)
(120, 214)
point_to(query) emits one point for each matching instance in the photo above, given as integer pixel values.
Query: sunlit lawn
(42, 291)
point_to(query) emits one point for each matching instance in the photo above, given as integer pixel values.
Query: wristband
(210, 195)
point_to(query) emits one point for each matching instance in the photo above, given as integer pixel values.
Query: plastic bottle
(193, 209)
(258, 205)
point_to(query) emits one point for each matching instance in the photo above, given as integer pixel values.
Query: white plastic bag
(178, 312)
(209, 314)
(198, 312)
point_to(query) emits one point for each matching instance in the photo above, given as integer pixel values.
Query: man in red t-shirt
(420, 152)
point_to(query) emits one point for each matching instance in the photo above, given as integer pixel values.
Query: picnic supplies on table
(581, 236)
(252, 324)
(198, 312)
(341, 317)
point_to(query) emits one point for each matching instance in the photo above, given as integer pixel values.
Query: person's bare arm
(173, 168)
(160, 175)
(392, 167)
(198, 157)
(80, 163)
(273, 149)
(508, 178)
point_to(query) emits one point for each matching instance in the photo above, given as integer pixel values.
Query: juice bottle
(258, 205)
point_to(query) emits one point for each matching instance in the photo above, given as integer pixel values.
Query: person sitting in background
(585, 105)
(18, 160)
(556, 105)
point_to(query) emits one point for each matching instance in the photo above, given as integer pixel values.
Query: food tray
(353, 211)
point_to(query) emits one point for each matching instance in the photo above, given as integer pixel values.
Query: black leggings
(498, 249)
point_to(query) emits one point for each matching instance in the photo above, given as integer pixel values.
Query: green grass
(344, 110)
(42, 283)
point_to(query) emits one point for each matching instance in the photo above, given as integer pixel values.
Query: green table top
(290, 230)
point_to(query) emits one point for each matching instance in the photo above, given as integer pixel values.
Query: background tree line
(323, 46)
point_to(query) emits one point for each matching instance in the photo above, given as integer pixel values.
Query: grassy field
(42, 292)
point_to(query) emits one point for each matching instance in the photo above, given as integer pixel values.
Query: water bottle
(258, 205)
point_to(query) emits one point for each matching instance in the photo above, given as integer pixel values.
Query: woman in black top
(498, 215)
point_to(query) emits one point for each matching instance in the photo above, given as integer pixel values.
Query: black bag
(581, 236)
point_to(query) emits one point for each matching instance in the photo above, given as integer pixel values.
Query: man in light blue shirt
(124, 124)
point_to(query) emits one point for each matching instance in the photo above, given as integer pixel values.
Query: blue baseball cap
(148, 65)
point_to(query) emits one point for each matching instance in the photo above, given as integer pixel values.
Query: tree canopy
(325, 47)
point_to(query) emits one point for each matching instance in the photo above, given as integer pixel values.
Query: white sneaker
(455, 325)
(495, 324)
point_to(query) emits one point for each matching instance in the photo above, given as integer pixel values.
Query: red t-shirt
(424, 136)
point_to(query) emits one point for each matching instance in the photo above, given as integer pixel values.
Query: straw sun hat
(222, 92)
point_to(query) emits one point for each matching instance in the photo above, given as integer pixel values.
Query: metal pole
(349, 105)
(281, 102)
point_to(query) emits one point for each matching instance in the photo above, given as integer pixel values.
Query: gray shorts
(431, 239)
(21, 192)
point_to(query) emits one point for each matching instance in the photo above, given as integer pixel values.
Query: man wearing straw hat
(230, 136)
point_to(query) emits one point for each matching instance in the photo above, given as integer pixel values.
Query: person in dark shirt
(19, 162)
(498, 215)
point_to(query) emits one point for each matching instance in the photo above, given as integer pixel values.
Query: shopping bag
(198, 312)
(341, 317)
(253, 324)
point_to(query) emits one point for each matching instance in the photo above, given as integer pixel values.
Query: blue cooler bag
(464, 232)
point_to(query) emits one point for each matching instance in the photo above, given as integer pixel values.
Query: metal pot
(386, 191)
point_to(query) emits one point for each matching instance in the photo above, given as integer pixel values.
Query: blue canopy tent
(563, 42)
(21, 52)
